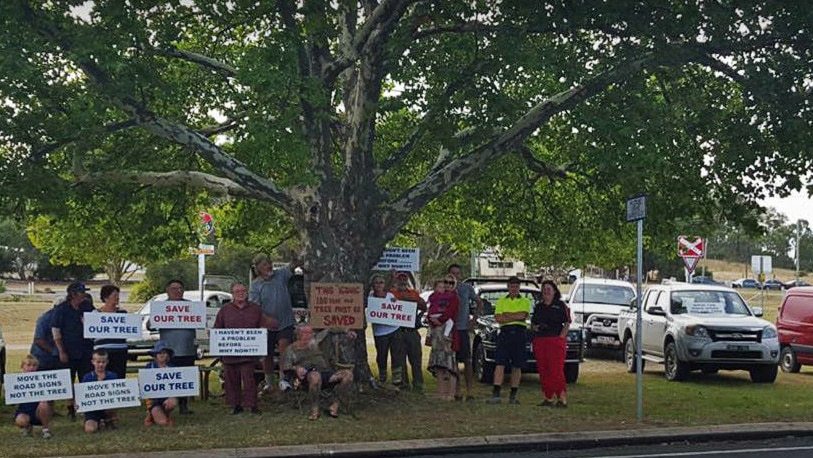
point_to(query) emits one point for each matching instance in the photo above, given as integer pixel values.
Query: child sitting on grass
(158, 410)
(30, 414)
(98, 419)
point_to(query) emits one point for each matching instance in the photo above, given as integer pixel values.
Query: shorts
(96, 415)
(511, 347)
(153, 403)
(275, 336)
(30, 409)
(463, 353)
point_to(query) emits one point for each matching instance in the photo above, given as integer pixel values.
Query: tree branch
(542, 169)
(479, 27)
(200, 59)
(44, 150)
(225, 126)
(196, 180)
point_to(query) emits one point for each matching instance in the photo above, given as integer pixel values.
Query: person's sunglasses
(449, 282)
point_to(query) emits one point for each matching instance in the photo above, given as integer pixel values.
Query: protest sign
(37, 386)
(400, 258)
(337, 304)
(106, 394)
(168, 382)
(112, 325)
(391, 312)
(238, 342)
(178, 315)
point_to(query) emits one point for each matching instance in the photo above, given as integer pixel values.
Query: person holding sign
(30, 414)
(181, 341)
(409, 335)
(158, 410)
(116, 348)
(68, 331)
(443, 305)
(270, 291)
(241, 388)
(96, 419)
(387, 338)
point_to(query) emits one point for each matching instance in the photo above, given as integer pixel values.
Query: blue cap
(161, 346)
(77, 287)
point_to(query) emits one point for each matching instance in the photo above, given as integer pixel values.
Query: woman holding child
(443, 307)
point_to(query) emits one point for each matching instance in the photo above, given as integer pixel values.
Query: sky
(797, 206)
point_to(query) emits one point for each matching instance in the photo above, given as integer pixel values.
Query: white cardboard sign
(24, 387)
(400, 258)
(391, 312)
(112, 325)
(238, 342)
(107, 394)
(168, 382)
(178, 315)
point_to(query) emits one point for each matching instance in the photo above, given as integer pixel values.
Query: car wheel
(763, 374)
(483, 370)
(675, 370)
(571, 372)
(630, 358)
(788, 361)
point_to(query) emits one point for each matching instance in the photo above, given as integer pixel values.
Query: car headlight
(769, 332)
(574, 336)
(578, 317)
(699, 332)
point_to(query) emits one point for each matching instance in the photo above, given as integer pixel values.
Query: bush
(2, 286)
(159, 273)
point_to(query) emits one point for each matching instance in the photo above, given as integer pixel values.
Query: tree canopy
(350, 117)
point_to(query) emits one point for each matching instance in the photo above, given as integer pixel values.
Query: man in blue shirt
(43, 348)
(68, 331)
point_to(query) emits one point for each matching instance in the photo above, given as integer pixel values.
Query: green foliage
(160, 273)
(2, 286)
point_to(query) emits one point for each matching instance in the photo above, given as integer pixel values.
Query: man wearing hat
(159, 410)
(68, 331)
(510, 312)
(269, 290)
(409, 335)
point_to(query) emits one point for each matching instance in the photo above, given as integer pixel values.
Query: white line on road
(713, 452)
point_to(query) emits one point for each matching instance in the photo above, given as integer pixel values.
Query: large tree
(350, 117)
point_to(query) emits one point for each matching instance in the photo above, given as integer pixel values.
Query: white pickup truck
(595, 303)
(690, 327)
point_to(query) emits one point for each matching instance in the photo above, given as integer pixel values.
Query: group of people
(450, 312)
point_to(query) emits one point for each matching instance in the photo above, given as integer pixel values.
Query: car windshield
(494, 295)
(708, 303)
(603, 294)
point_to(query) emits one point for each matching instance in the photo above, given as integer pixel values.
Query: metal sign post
(636, 211)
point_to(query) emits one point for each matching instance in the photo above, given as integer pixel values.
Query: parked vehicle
(700, 327)
(746, 283)
(795, 326)
(595, 303)
(704, 280)
(795, 283)
(2, 358)
(213, 300)
(773, 284)
(486, 330)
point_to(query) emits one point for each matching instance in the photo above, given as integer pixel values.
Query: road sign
(690, 262)
(690, 248)
(636, 208)
(761, 264)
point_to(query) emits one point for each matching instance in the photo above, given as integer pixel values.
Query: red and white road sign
(690, 248)
(690, 262)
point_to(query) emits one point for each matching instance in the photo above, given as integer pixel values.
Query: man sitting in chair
(305, 364)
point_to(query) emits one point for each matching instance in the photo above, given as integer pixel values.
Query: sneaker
(46, 433)
(561, 405)
(237, 410)
(28, 431)
(494, 400)
(284, 385)
(513, 401)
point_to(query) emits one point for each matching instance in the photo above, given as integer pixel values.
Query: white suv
(596, 303)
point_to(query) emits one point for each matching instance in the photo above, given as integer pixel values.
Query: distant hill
(726, 271)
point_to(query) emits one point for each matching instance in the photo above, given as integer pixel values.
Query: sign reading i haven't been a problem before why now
(112, 325)
(107, 394)
(238, 342)
(37, 386)
(178, 315)
(168, 382)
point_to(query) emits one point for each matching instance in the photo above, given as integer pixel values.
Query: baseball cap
(77, 287)
(159, 347)
(514, 280)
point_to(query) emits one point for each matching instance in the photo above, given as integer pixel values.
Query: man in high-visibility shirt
(510, 312)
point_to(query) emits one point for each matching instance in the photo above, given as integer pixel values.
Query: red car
(794, 325)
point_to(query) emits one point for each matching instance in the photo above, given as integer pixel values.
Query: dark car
(746, 283)
(795, 283)
(486, 329)
(703, 280)
(773, 284)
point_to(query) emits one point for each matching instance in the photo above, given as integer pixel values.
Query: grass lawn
(603, 399)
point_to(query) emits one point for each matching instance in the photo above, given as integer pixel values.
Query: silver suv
(595, 303)
(701, 327)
